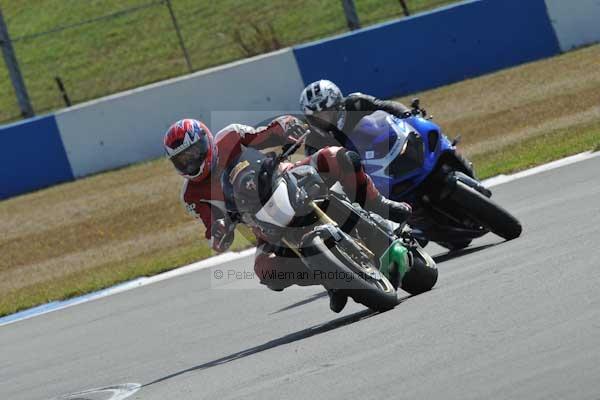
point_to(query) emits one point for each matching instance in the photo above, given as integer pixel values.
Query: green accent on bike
(396, 256)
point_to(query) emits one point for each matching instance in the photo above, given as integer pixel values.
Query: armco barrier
(32, 156)
(432, 49)
(577, 23)
(128, 127)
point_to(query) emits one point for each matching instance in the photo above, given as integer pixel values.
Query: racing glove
(393, 210)
(222, 234)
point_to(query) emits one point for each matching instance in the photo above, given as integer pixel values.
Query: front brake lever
(405, 233)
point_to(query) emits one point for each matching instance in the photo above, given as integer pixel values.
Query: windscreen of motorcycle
(377, 134)
(390, 145)
(278, 209)
(408, 155)
(402, 129)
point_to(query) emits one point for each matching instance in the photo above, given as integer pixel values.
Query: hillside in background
(99, 47)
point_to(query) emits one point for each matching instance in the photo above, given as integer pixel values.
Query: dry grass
(111, 227)
(75, 227)
(539, 149)
(521, 102)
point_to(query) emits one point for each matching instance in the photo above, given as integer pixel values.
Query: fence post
(63, 91)
(404, 7)
(13, 70)
(181, 43)
(351, 15)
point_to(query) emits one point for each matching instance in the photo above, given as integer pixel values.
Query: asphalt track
(507, 320)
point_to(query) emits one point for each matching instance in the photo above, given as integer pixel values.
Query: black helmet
(247, 184)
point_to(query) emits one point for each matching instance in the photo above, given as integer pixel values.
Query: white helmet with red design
(191, 148)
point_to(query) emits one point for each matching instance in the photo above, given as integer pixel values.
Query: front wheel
(486, 212)
(360, 278)
(422, 274)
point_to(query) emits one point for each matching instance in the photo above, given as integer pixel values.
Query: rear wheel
(361, 280)
(486, 212)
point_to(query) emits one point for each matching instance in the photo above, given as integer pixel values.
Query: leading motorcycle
(343, 246)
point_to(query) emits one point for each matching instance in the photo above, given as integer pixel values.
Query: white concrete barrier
(576, 22)
(128, 127)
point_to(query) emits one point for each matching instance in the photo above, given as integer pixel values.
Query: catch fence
(70, 51)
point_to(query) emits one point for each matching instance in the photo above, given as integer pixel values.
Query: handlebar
(291, 148)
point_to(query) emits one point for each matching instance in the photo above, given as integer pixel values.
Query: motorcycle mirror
(415, 103)
(456, 140)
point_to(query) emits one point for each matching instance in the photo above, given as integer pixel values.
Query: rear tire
(486, 212)
(376, 294)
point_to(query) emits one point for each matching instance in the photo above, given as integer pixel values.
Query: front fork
(393, 262)
(325, 220)
(456, 176)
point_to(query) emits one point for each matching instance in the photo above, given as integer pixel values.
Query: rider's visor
(190, 160)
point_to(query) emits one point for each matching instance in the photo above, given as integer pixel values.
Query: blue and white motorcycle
(410, 159)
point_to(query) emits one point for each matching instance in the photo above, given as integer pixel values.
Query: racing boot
(337, 300)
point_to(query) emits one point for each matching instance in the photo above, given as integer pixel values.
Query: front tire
(486, 212)
(372, 290)
(422, 274)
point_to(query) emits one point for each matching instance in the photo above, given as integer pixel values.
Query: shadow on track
(292, 337)
(312, 298)
(459, 253)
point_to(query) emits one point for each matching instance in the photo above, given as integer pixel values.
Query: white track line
(123, 287)
(229, 257)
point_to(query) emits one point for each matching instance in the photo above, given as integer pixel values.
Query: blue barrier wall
(32, 156)
(432, 49)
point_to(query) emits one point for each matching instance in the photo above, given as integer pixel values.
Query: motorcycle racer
(201, 158)
(332, 116)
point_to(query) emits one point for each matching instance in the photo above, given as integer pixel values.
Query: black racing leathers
(357, 105)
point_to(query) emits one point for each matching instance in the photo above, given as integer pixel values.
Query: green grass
(141, 47)
(538, 150)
